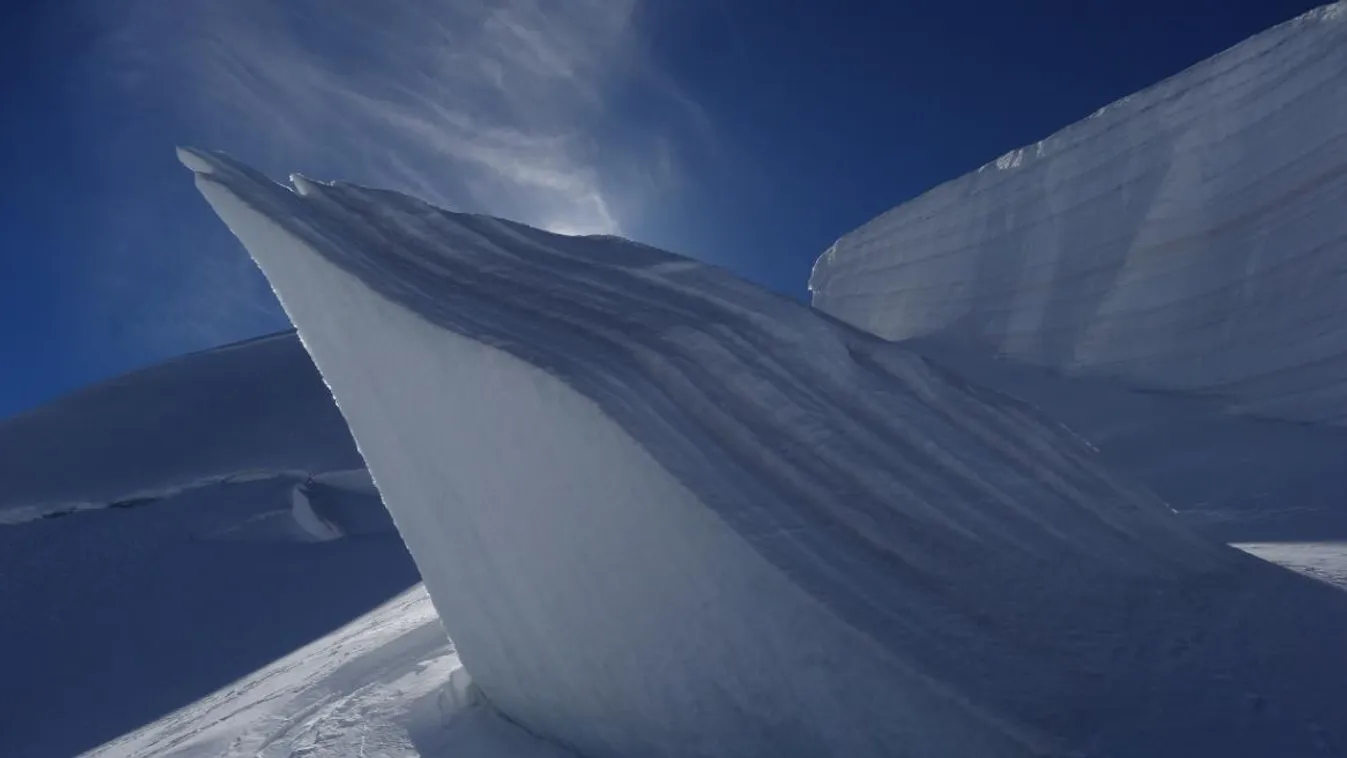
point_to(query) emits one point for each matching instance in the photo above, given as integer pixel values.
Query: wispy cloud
(508, 106)
(538, 110)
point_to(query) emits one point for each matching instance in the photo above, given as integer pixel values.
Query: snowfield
(388, 684)
(1188, 237)
(664, 512)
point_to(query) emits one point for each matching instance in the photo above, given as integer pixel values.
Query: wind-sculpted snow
(1188, 237)
(665, 512)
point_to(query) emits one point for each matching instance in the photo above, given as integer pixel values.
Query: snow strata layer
(665, 512)
(1188, 237)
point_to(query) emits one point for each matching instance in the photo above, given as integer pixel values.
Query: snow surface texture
(388, 684)
(1188, 237)
(664, 512)
(154, 544)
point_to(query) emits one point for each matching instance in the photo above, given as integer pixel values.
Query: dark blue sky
(750, 133)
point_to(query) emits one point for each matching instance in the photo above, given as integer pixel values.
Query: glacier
(1188, 237)
(661, 511)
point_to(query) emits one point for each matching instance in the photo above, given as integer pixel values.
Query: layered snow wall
(1188, 237)
(664, 512)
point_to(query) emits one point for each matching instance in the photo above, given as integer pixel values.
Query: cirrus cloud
(550, 112)
(504, 106)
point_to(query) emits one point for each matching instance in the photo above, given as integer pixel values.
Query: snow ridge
(665, 512)
(1187, 237)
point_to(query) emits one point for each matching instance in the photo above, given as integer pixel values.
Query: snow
(313, 525)
(1326, 561)
(663, 512)
(150, 550)
(253, 410)
(111, 618)
(1189, 237)
(149, 547)
(387, 684)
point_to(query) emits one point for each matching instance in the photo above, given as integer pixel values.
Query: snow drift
(1188, 237)
(664, 512)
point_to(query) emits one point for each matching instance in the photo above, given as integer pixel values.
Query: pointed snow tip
(199, 161)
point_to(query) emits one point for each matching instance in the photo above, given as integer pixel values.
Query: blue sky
(750, 133)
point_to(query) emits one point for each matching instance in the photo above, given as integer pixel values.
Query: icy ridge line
(1188, 237)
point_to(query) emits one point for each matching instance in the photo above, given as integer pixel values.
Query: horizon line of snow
(23, 514)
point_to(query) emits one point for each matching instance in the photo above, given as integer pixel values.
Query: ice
(664, 512)
(1189, 237)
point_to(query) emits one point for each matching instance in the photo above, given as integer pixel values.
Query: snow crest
(663, 512)
(1188, 237)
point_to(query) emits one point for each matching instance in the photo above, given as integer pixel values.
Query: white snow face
(663, 512)
(1188, 237)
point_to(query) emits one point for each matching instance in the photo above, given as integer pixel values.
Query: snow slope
(210, 523)
(1188, 237)
(387, 684)
(246, 411)
(664, 512)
